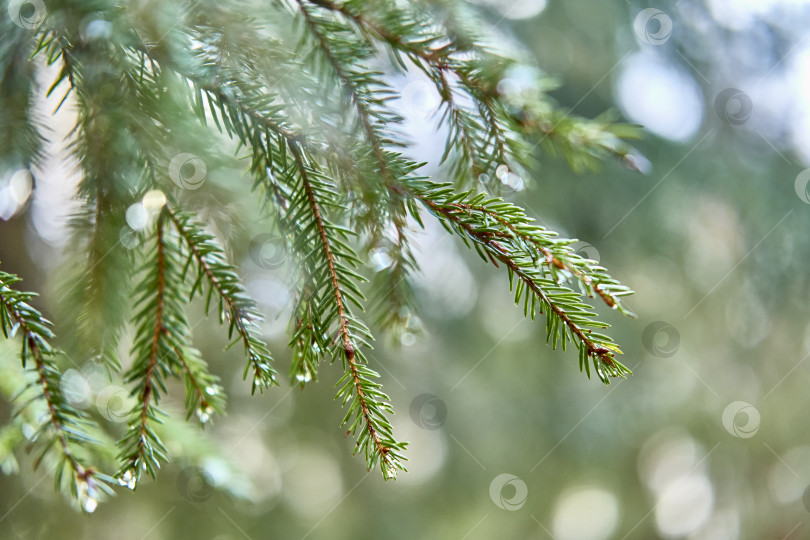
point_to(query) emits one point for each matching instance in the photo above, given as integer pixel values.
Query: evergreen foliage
(302, 89)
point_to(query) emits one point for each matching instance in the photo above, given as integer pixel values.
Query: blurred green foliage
(714, 241)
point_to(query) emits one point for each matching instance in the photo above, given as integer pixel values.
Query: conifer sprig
(62, 426)
(142, 449)
(162, 349)
(327, 150)
(367, 404)
(22, 137)
(367, 93)
(538, 265)
(235, 308)
(479, 138)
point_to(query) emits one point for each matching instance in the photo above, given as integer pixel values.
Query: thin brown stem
(236, 314)
(148, 380)
(549, 257)
(501, 254)
(348, 347)
(39, 362)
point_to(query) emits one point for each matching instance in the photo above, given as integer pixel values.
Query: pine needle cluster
(303, 92)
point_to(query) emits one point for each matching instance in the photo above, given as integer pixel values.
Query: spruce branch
(142, 450)
(368, 94)
(234, 306)
(367, 404)
(162, 349)
(363, 87)
(21, 137)
(481, 142)
(563, 262)
(327, 154)
(508, 120)
(62, 425)
(501, 234)
(100, 284)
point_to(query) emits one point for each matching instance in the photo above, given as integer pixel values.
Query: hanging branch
(142, 449)
(508, 120)
(21, 139)
(328, 158)
(482, 145)
(234, 306)
(162, 349)
(368, 93)
(104, 93)
(367, 402)
(64, 425)
(499, 233)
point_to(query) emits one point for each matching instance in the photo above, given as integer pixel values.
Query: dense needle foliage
(302, 92)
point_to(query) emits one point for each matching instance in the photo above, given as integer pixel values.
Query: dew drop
(212, 390)
(89, 504)
(304, 377)
(127, 480)
(88, 496)
(204, 413)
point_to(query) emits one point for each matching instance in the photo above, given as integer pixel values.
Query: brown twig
(605, 355)
(348, 347)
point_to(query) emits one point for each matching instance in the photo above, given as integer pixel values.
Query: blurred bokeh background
(708, 440)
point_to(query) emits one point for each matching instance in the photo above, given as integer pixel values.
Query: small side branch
(381, 448)
(234, 305)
